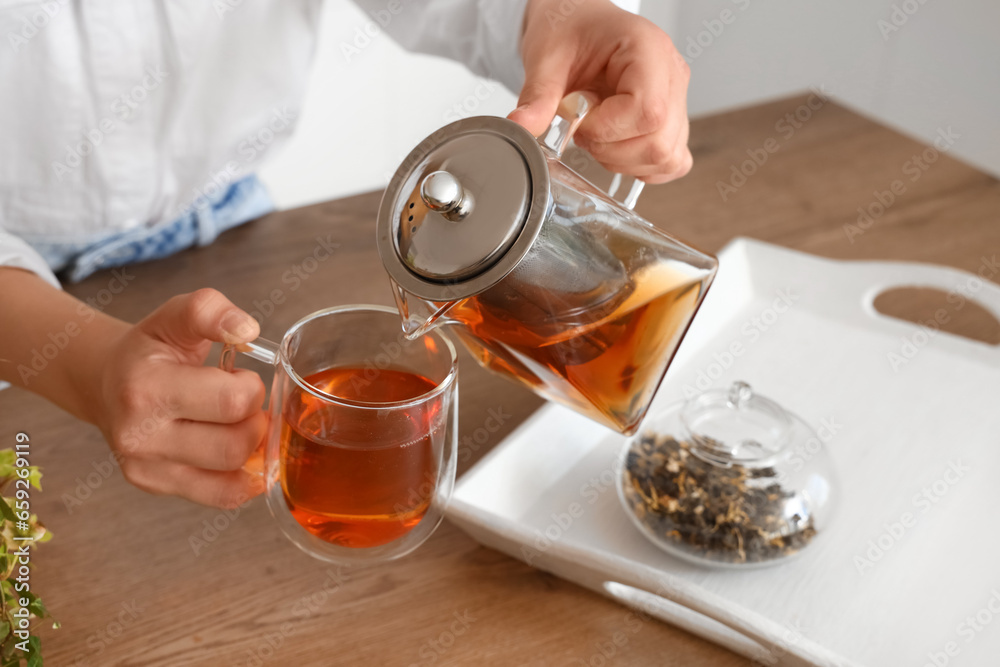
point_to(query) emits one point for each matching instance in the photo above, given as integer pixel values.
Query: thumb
(188, 320)
(545, 83)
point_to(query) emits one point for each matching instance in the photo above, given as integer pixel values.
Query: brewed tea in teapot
(545, 278)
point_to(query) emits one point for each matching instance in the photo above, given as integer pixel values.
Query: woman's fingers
(188, 320)
(212, 446)
(649, 81)
(206, 394)
(225, 490)
(664, 155)
(546, 78)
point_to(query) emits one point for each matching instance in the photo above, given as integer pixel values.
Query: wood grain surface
(142, 580)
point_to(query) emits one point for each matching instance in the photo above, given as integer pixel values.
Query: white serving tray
(546, 494)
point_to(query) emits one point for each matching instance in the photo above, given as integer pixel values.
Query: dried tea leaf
(726, 514)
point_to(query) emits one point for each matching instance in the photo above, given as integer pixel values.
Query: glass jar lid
(735, 425)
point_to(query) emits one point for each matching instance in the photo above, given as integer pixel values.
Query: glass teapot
(545, 278)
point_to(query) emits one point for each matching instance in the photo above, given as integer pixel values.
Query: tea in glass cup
(360, 455)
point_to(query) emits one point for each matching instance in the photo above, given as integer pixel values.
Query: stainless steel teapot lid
(463, 208)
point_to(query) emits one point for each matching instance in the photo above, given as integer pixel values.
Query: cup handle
(260, 349)
(572, 110)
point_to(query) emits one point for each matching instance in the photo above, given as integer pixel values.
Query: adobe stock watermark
(35, 22)
(407, 161)
(562, 522)
(792, 636)
(281, 120)
(469, 105)
(618, 642)
(750, 332)
(434, 649)
(922, 501)
(97, 642)
(785, 127)
(803, 452)
(563, 11)
(212, 530)
(898, 17)
(971, 627)
(294, 277)
(713, 29)
(162, 413)
(87, 485)
(364, 34)
(646, 605)
(911, 345)
(913, 169)
(121, 109)
(58, 341)
(418, 495)
(271, 641)
(470, 444)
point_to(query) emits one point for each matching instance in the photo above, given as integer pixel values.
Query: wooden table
(129, 588)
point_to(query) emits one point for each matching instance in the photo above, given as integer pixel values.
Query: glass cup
(360, 454)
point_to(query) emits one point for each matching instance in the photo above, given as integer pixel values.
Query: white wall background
(362, 117)
(940, 68)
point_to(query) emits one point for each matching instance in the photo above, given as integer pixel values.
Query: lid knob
(735, 425)
(442, 192)
(463, 209)
(740, 394)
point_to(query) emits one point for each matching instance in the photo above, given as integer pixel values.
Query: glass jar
(727, 478)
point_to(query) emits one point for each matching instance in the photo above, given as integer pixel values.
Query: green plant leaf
(6, 511)
(7, 458)
(37, 608)
(10, 652)
(34, 651)
(35, 477)
(10, 655)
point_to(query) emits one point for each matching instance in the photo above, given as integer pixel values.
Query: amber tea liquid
(360, 477)
(606, 366)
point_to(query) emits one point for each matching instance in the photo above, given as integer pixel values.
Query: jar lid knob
(740, 394)
(735, 425)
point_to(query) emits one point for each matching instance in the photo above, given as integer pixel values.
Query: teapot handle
(571, 112)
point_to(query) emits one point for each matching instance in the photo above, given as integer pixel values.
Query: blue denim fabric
(241, 202)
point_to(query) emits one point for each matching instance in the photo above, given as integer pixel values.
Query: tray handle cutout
(950, 312)
(955, 291)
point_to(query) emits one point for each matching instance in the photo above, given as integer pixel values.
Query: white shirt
(121, 114)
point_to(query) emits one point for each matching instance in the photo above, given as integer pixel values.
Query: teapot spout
(419, 315)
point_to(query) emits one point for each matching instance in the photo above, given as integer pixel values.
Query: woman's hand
(176, 426)
(641, 126)
(181, 428)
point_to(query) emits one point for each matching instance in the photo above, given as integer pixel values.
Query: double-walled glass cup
(360, 454)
